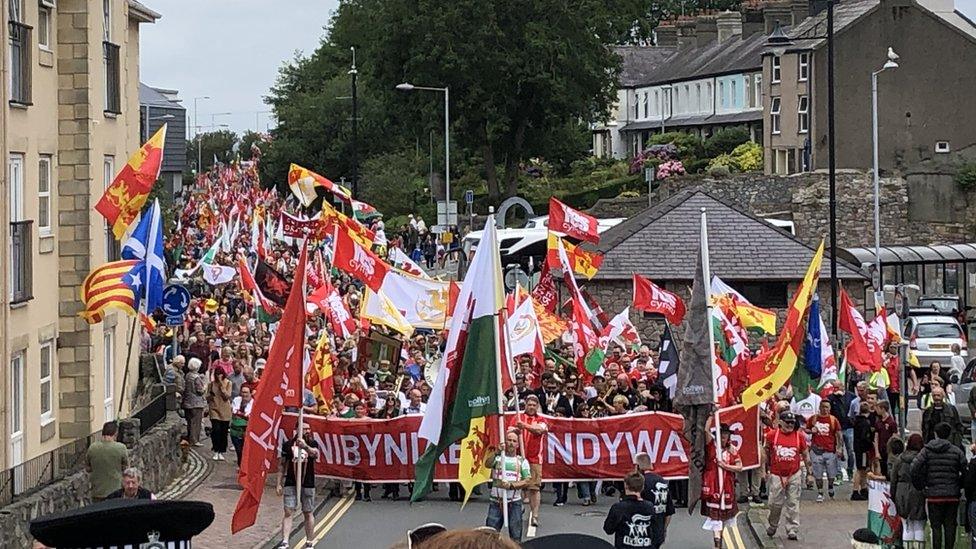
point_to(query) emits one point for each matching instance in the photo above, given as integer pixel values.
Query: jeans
(943, 520)
(495, 518)
(849, 449)
(238, 443)
(562, 491)
(972, 524)
(972, 430)
(585, 489)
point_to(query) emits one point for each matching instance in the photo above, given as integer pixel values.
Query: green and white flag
(467, 385)
(882, 518)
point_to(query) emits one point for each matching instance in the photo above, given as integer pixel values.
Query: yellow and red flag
(303, 183)
(319, 377)
(771, 369)
(357, 231)
(583, 262)
(124, 198)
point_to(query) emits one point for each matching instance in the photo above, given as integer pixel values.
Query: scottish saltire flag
(145, 245)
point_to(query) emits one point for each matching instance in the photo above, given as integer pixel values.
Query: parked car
(931, 337)
(962, 388)
(944, 304)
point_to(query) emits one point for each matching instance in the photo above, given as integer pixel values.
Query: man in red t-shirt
(827, 448)
(535, 429)
(785, 448)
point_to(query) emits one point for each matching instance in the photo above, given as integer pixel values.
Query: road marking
(338, 515)
(343, 500)
(727, 539)
(530, 531)
(738, 536)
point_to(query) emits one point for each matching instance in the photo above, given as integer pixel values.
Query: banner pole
(501, 416)
(128, 359)
(707, 282)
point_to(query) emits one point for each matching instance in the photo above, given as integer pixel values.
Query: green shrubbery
(966, 176)
(746, 157)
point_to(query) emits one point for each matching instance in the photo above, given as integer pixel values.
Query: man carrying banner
(536, 427)
(510, 473)
(298, 453)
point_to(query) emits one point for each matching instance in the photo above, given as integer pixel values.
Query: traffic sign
(176, 300)
(174, 320)
(469, 197)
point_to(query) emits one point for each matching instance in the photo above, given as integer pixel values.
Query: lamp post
(196, 126)
(354, 73)
(447, 139)
(890, 64)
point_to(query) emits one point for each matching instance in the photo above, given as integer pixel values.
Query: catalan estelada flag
(124, 198)
(109, 287)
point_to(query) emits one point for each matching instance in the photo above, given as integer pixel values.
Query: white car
(931, 338)
(517, 245)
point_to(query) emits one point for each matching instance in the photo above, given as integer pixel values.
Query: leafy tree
(726, 140)
(395, 185)
(219, 145)
(252, 138)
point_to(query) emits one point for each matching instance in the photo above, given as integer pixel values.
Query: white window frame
(47, 408)
(108, 173)
(44, 173)
(658, 107)
(757, 85)
(645, 104)
(721, 94)
(108, 367)
(636, 105)
(803, 114)
(732, 93)
(107, 20)
(774, 115)
(708, 96)
(698, 97)
(16, 409)
(15, 175)
(776, 70)
(15, 10)
(803, 67)
(45, 10)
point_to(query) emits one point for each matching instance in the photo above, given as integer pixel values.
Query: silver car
(931, 338)
(962, 388)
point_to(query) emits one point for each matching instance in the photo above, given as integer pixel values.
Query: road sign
(174, 320)
(469, 197)
(176, 300)
(447, 213)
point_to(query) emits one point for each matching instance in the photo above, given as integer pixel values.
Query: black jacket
(633, 523)
(947, 413)
(969, 483)
(938, 469)
(840, 404)
(909, 500)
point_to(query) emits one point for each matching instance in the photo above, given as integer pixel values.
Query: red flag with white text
(651, 298)
(572, 222)
(359, 261)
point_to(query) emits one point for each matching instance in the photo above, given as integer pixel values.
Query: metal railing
(20, 63)
(67, 459)
(21, 262)
(113, 91)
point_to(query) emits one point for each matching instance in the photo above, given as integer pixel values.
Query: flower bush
(670, 168)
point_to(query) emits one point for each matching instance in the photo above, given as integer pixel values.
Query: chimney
(666, 34)
(686, 32)
(728, 24)
(801, 10)
(816, 6)
(752, 19)
(776, 13)
(706, 30)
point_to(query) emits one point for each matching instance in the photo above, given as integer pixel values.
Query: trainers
(283, 545)
(309, 545)
(831, 494)
(220, 457)
(792, 536)
(214, 457)
(820, 498)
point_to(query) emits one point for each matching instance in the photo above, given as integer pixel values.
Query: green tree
(252, 138)
(219, 145)
(394, 183)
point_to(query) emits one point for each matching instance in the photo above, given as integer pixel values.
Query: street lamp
(407, 87)
(890, 64)
(196, 131)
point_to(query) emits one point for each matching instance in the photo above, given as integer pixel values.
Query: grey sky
(229, 50)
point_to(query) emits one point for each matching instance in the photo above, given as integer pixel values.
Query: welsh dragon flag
(467, 386)
(882, 518)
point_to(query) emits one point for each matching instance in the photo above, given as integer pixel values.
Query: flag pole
(128, 358)
(501, 393)
(707, 283)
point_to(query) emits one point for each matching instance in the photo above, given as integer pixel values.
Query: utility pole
(832, 168)
(355, 128)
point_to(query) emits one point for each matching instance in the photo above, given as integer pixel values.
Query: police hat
(120, 522)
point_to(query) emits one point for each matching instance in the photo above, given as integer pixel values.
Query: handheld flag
(124, 198)
(651, 298)
(582, 262)
(572, 222)
(303, 183)
(668, 361)
(862, 352)
(360, 262)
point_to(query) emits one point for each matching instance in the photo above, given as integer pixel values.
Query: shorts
(825, 462)
(715, 525)
(291, 499)
(535, 479)
(862, 460)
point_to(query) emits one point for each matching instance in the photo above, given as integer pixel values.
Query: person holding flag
(509, 475)
(300, 449)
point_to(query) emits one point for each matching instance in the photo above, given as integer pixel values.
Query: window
(113, 94)
(106, 20)
(21, 253)
(20, 56)
(687, 99)
(44, 21)
(774, 115)
(47, 388)
(733, 102)
(657, 103)
(108, 348)
(803, 71)
(803, 114)
(698, 98)
(636, 105)
(776, 69)
(44, 195)
(645, 104)
(757, 91)
(17, 394)
(112, 250)
(721, 94)
(708, 96)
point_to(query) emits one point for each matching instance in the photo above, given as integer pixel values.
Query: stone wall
(916, 208)
(156, 454)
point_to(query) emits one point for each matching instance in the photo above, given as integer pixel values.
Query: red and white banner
(294, 227)
(576, 449)
(359, 261)
(651, 298)
(571, 222)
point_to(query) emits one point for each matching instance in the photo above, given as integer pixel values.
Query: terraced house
(69, 119)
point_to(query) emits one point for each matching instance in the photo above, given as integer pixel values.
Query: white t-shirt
(807, 407)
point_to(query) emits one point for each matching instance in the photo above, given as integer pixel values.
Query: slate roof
(662, 243)
(639, 61)
(148, 95)
(812, 31)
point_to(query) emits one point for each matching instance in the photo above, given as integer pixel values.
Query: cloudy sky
(230, 50)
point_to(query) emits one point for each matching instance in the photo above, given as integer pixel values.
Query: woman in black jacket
(909, 501)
